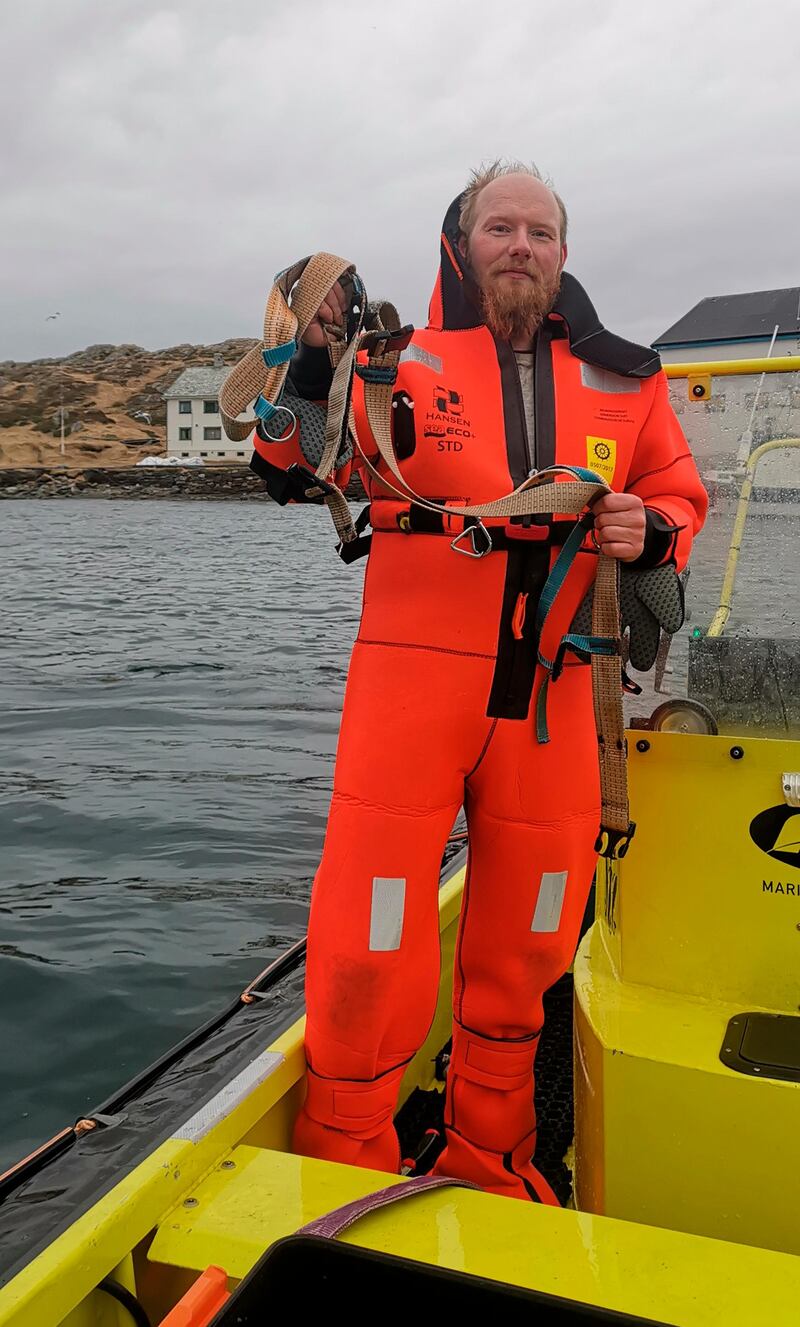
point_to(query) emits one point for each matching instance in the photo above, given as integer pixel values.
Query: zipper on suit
(530, 443)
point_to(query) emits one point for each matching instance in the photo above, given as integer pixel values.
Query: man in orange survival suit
(514, 372)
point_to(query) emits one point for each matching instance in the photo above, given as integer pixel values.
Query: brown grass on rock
(102, 387)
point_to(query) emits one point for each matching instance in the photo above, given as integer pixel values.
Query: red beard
(515, 309)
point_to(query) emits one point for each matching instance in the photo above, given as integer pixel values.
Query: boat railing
(699, 375)
(729, 579)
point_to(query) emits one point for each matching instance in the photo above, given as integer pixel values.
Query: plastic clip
(381, 341)
(311, 484)
(383, 374)
(614, 843)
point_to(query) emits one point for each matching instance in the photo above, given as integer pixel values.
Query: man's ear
(461, 245)
(563, 255)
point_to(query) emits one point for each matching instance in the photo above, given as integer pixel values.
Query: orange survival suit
(438, 714)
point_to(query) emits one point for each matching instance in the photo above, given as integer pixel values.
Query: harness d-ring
(281, 434)
(470, 532)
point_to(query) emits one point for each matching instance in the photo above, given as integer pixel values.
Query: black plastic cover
(764, 1045)
(343, 1281)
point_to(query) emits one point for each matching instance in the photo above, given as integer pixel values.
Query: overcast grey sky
(162, 160)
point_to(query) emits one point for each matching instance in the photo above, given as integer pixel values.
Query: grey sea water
(172, 677)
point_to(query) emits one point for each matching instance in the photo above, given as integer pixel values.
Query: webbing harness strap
(293, 303)
(560, 489)
(260, 375)
(335, 1223)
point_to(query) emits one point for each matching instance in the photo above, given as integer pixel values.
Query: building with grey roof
(194, 425)
(745, 409)
(735, 327)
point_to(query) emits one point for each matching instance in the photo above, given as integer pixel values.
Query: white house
(194, 425)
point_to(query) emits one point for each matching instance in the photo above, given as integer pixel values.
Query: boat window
(738, 652)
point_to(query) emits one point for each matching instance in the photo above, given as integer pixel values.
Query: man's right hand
(332, 310)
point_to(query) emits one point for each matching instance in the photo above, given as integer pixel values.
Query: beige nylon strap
(539, 494)
(307, 282)
(607, 696)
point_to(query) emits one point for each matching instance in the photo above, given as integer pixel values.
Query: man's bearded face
(516, 254)
(516, 300)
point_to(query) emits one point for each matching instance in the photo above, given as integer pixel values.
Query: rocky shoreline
(238, 483)
(232, 482)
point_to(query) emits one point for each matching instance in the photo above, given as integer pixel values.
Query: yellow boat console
(687, 991)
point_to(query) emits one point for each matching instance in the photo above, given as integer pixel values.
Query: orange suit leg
(533, 814)
(412, 729)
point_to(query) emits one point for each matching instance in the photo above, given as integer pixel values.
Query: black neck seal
(456, 307)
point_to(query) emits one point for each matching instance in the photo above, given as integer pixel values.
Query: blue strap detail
(559, 573)
(589, 644)
(279, 354)
(264, 409)
(575, 641)
(579, 472)
(572, 641)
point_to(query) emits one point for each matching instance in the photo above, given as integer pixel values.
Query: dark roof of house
(730, 317)
(200, 380)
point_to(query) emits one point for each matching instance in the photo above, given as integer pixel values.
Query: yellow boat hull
(225, 1186)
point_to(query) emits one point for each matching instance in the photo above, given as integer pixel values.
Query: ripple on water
(166, 749)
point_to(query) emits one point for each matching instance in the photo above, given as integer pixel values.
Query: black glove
(649, 602)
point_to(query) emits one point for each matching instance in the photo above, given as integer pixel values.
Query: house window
(211, 407)
(184, 435)
(240, 453)
(184, 407)
(220, 453)
(212, 435)
(184, 453)
(204, 453)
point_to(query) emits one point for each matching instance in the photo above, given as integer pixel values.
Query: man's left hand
(620, 525)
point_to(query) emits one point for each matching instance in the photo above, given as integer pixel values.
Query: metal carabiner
(470, 531)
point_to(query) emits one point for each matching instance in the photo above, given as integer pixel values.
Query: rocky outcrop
(112, 401)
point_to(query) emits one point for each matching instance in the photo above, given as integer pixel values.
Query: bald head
(486, 176)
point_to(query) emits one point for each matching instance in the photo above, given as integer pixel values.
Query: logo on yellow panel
(776, 831)
(601, 456)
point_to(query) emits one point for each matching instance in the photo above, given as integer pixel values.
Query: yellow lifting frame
(728, 368)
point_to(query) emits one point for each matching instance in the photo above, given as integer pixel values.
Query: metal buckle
(280, 437)
(470, 532)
